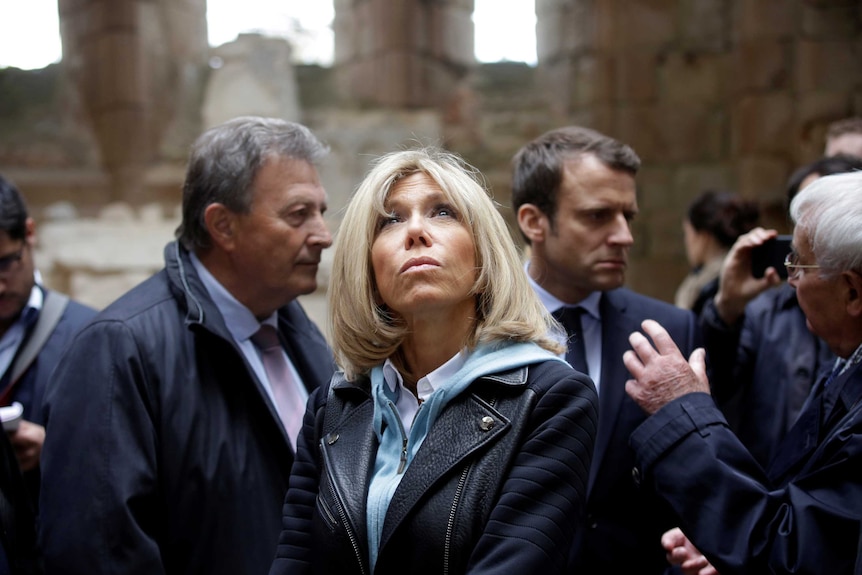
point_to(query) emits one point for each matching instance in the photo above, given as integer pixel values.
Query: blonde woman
(454, 439)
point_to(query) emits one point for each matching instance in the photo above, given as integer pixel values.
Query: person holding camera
(763, 360)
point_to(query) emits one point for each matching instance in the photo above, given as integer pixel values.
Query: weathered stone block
(676, 133)
(365, 33)
(346, 38)
(256, 78)
(705, 25)
(665, 231)
(654, 183)
(548, 7)
(656, 277)
(593, 79)
(763, 124)
(554, 82)
(763, 178)
(647, 22)
(764, 19)
(397, 25)
(835, 65)
(694, 78)
(762, 65)
(637, 75)
(549, 36)
(451, 35)
(692, 179)
(831, 21)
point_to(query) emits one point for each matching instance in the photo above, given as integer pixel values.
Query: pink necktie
(288, 400)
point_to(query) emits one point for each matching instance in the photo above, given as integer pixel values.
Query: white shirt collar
(239, 320)
(428, 384)
(553, 303)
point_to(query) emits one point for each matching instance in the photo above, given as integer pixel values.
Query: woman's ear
(220, 223)
(533, 222)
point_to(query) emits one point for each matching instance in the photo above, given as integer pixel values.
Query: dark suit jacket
(803, 516)
(164, 453)
(624, 523)
(762, 369)
(30, 388)
(19, 550)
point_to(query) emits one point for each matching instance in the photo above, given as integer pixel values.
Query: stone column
(575, 45)
(129, 61)
(405, 54)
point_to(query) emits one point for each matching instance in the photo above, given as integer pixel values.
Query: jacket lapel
(349, 451)
(815, 423)
(615, 330)
(449, 442)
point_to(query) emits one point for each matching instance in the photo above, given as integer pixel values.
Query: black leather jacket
(498, 485)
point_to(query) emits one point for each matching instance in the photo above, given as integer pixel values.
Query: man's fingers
(672, 538)
(642, 346)
(663, 342)
(697, 361)
(633, 363)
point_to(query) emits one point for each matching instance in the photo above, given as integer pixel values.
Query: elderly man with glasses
(762, 359)
(802, 512)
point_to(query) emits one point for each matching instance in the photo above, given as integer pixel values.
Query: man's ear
(30, 231)
(221, 225)
(533, 222)
(853, 285)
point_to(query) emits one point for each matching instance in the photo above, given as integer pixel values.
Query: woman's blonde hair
(364, 333)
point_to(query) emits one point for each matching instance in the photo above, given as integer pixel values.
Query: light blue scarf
(483, 361)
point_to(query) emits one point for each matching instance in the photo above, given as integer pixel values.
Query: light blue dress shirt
(242, 324)
(14, 336)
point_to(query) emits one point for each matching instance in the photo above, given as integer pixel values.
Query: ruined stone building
(731, 94)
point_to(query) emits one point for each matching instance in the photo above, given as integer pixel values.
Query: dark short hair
(852, 125)
(13, 211)
(224, 162)
(825, 166)
(537, 168)
(724, 215)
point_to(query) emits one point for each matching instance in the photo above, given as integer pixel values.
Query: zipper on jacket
(350, 534)
(403, 463)
(450, 525)
(456, 498)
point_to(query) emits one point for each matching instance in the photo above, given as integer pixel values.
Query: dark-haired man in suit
(574, 194)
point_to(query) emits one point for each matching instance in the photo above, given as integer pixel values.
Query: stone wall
(711, 93)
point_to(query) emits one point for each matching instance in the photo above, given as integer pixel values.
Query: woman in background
(713, 222)
(454, 440)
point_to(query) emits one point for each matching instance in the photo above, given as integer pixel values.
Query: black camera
(771, 253)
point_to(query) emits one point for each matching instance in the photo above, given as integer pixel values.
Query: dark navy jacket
(801, 516)
(19, 549)
(624, 524)
(30, 388)
(762, 369)
(164, 453)
(497, 486)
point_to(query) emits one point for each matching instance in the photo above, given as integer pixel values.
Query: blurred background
(100, 100)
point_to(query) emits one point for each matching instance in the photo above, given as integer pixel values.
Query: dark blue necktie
(576, 354)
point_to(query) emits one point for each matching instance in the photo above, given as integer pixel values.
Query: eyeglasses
(9, 260)
(791, 262)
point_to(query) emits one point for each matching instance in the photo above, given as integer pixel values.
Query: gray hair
(829, 210)
(224, 162)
